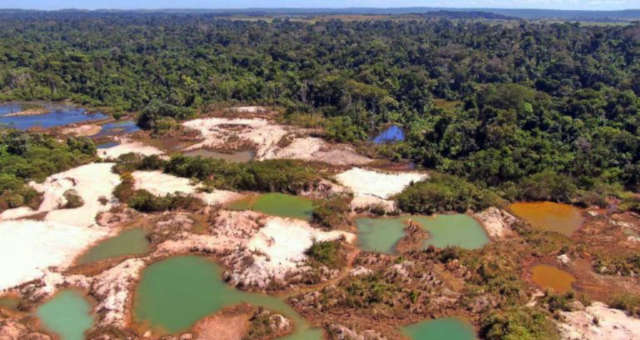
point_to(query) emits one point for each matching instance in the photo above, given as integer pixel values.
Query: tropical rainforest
(504, 104)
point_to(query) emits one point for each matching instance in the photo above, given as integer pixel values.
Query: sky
(228, 4)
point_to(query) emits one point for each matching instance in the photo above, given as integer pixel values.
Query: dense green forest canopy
(495, 102)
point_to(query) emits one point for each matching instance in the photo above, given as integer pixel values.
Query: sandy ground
(372, 189)
(93, 182)
(265, 136)
(29, 248)
(278, 250)
(249, 109)
(82, 130)
(112, 289)
(127, 146)
(598, 322)
(228, 324)
(496, 222)
(316, 149)
(365, 202)
(161, 184)
(378, 184)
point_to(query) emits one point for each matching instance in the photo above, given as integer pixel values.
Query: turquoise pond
(67, 315)
(276, 204)
(382, 234)
(175, 293)
(440, 329)
(57, 115)
(129, 242)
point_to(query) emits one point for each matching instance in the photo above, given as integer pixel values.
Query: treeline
(287, 176)
(26, 156)
(493, 103)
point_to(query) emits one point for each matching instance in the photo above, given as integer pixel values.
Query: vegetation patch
(328, 253)
(332, 212)
(443, 193)
(28, 156)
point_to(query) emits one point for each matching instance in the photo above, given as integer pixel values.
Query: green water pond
(382, 234)
(129, 242)
(175, 293)
(439, 329)
(67, 315)
(277, 204)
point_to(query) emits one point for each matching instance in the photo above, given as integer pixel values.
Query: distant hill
(462, 13)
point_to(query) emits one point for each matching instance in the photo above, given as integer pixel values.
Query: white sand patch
(496, 222)
(598, 322)
(12, 214)
(249, 109)
(377, 184)
(366, 202)
(93, 182)
(161, 184)
(29, 248)
(113, 287)
(230, 230)
(82, 130)
(265, 136)
(127, 146)
(219, 131)
(316, 149)
(278, 250)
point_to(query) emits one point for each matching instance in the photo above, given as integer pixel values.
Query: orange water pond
(552, 278)
(550, 216)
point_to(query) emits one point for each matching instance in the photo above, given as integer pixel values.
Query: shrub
(547, 186)
(628, 303)
(73, 199)
(124, 190)
(155, 115)
(271, 175)
(444, 193)
(328, 253)
(518, 323)
(332, 212)
(145, 201)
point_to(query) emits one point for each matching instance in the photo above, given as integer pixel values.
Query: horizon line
(318, 9)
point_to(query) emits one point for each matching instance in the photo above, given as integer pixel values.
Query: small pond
(235, 157)
(549, 216)
(175, 293)
(67, 315)
(276, 204)
(128, 242)
(438, 329)
(381, 234)
(57, 115)
(552, 278)
(392, 134)
(118, 128)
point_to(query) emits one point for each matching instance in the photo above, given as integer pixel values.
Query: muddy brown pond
(550, 216)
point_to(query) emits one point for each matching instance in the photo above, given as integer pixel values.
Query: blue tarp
(392, 134)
